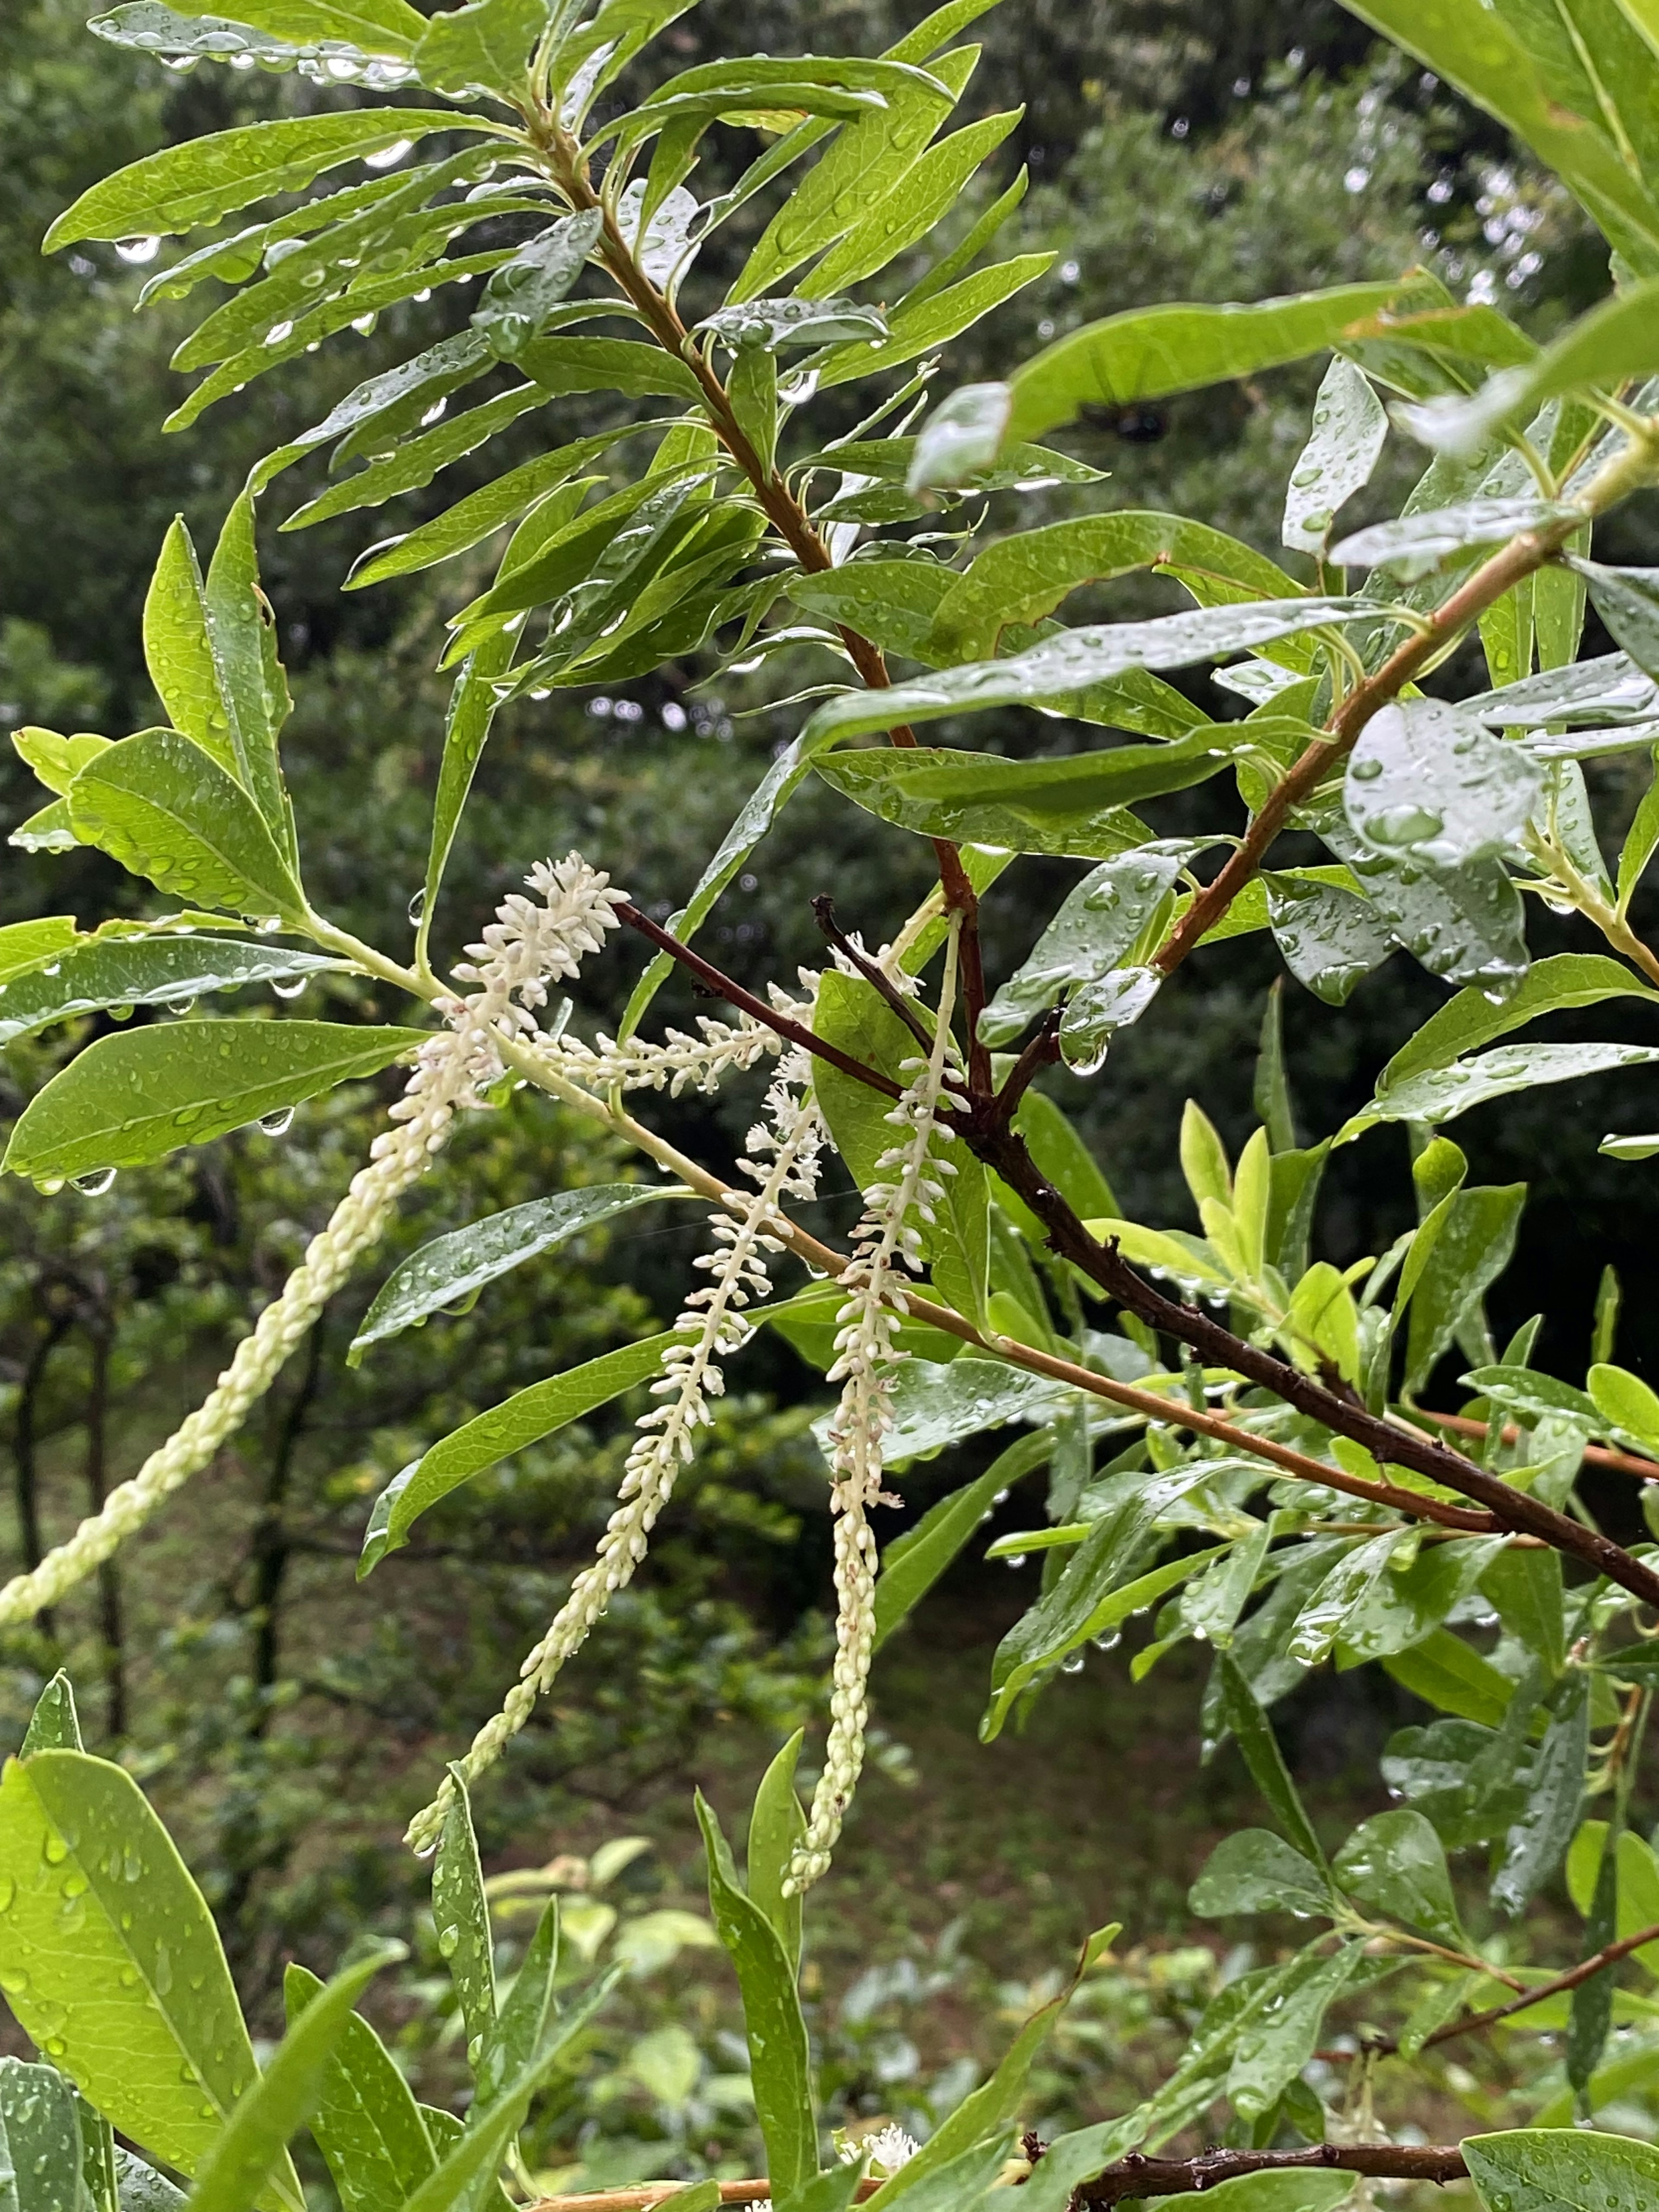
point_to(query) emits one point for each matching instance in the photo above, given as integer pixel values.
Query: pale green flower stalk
(867, 1351)
(746, 1233)
(523, 946)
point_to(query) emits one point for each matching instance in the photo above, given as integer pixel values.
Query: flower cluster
(711, 1326)
(866, 1350)
(681, 1062)
(524, 946)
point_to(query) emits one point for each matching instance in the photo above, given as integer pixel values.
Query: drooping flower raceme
(524, 946)
(713, 1325)
(866, 1351)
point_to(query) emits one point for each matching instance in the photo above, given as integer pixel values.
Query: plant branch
(1388, 1441)
(1646, 1470)
(1521, 557)
(823, 911)
(1138, 2175)
(1585, 1971)
(639, 2200)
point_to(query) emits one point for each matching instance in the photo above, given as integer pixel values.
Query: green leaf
(897, 220)
(777, 1826)
(1257, 1740)
(26, 944)
(1322, 1617)
(54, 1725)
(1525, 1587)
(1048, 674)
(254, 2144)
(1253, 1871)
(522, 1420)
(920, 325)
(1021, 579)
(111, 1960)
(1330, 936)
(483, 48)
(204, 179)
(130, 1099)
(1095, 930)
(1396, 1864)
(1349, 430)
(148, 27)
(914, 1561)
(1272, 2049)
(473, 708)
(1567, 979)
(1073, 804)
(1443, 1670)
(780, 2060)
(519, 296)
(1618, 339)
(145, 971)
(1441, 1094)
(455, 1267)
(40, 2139)
(461, 1916)
(379, 27)
(1416, 544)
(242, 634)
(165, 809)
(1150, 353)
(1562, 2169)
(366, 2123)
(1428, 784)
(889, 600)
(1472, 1250)
(1626, 1404)
(770, 326)
(512, 2038)
(1608, 689)
(1063, 1157)
(414, 464)
(1523, 1390)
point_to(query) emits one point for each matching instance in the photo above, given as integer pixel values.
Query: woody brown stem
(1574, 1978)
(824, 913)
(1646, 1470)
(1139, 2175)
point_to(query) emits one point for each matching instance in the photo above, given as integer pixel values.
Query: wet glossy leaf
(460, 1914)
(458, 1266)
(1608, 689)
(1525, 1587)
(897, 220)
(512, 2038)
(1255, 1871)
(1537, 1842)
(770, 326)
(366, 2121)
(165, 809)
(1271, 2049)
(1567, 979)
(1249, 1724)
(139, 2009)
(522, 1420)
(381, 27)
(1562, 2169)
(272, 2110)
(521, 294)
(1439, 1094)
(780, 2058)
(1093, 933)
(1426, 783)
(1072, 660)
(917, 326)
(1348, 1583)
(914, 1561)
(1473, 1248)
(26, 944)
(131, 1099)
(1416, 543)
(1396, 1864)
(1523, 1390)
(147, 27)
(934, 1406)
(54, 1725)
(482, 48)
(1349, 430)
(206, 178)
(777, 1826)
(1331, 937)
(1626, 1404)
(145, 971)
(1627, 600)
(41, 2150)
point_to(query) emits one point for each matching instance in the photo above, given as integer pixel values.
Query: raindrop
(279, 1123)
(364, 323)
(388, 155)
(139, 250)
(417, 907)
(292, 987)
(1366, 771)
(1073, 1666)
(121, 1013)
(449, 1940)
(270, 925)
(434, 413)
(1015, 1559)
(95, 1184)
(277, 332)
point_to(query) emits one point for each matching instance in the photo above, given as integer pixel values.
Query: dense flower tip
(887, 2150)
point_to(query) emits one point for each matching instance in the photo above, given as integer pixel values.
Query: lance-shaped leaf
(1627, 600)
(1440, 1094)
(1626, 1404)
(1426, 783)
(521, 1420)
(1566, 980)
(1331, 936)
(1615, 341)
(1256, 1871)
(1247, 1720)
(416, 462)
(897, 220)
(919, 325)
(780, 2059)
(109, 1952)
(1271, 2049)
(1608, 689)
(1019, 580)
(518, 297)
(1093, 933)
(1349, 431)
(1415, 545)
(123, 972)
(771, 325)
(1049, 673)
(272, 2110)
(41, 2145)
(460, 1912)
(1150, 353)
(1534, 1396)
(935, 1406)
(165, 809)
(1537, 1842)
(148, 27)
(130, 1099)
(913, 1562)
(366, 2120)
(452, 1270)
(206, 178)
(26, 944)
(482, 48)
(1073, 804)
(379, 27)
(1464, 924)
